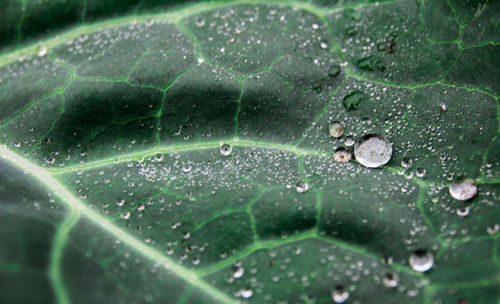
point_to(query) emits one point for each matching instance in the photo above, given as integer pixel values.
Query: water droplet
(238, 271)
(42, 52)
(493, 229)
(323, 45)
(390, 280)
(420, 172)
(353, 100)
(245, 293)
(125, 215)
(342, 155)
(315, 26)
(339, 294)
(336, 129)
(120, 202)
(373, 150)
(349, 141)
(302, 187)
(186, 167)
(50, 160)
(421, 260)
(226, 149)
(200, 22)
(463, 190)
(406, 162)
(464, 211)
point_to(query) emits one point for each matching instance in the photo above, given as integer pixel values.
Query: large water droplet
(342, 155)
(336, 129)
(339, 294)
(421, 260)
(463, 190)
(302, 187)
(373, 150)
(226, 149)
(390, 280)
(353, 100)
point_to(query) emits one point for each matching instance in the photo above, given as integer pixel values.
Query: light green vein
(57, 255)
(65, 195)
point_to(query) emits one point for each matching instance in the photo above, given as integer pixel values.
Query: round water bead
(421, 260)
(339, 294)
(463, 190)
(493, 229)
(226, 149)
(464, 211)
(302, 187)
(336, 129)
(390, 280)
(342, 155)
(349, 141)
(373, 150)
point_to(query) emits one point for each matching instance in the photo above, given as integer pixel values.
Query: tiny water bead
(406, 162)
(342, 155)
(302, 187)
(336, 129)
(421, 260)
(349, 141)
(493, 229)
(464, 211)
(339, 294)
(245, 293)
(238, 271)
(226, 150)
(120, 202)
(42, 52)
(390, 280)
(420, 172)
(373, 150)
(463, 190)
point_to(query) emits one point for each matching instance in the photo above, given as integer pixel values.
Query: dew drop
(390, 280)
(200, 22)
(302, 187)
(373, 150)
(245, 293)
(226, 149)
(125, 216)
(323, 45)
(339, 294)
(463, 190)
(421, 260)
(120, 202)
(186, 168)
(349, 141)
(493, 229)
(42, 52)
(420, 172)
(342, 155)
(50, 161)
(406, 162)
(336, 129)
(315, 26)
(238, 271)
(464, 211)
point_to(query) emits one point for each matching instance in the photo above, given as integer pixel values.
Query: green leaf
(180, 153)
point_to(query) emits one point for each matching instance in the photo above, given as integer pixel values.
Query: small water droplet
(302, 187)
(120, 202)
(42, 52)
(390, 280)
(373, 150)
(200, 22)
(238, 271)
(349, 141)
(463, 190)
(245, 293)
(315, 26)
(493, 229)
(342, 155)
(406, 162)
(125, 215)
(339, 294)
(464, 211)
(323, 45)
(226, 149)
(186, 167)
(421, 260)
(420, 172)
(336, 129)
(50, 160)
